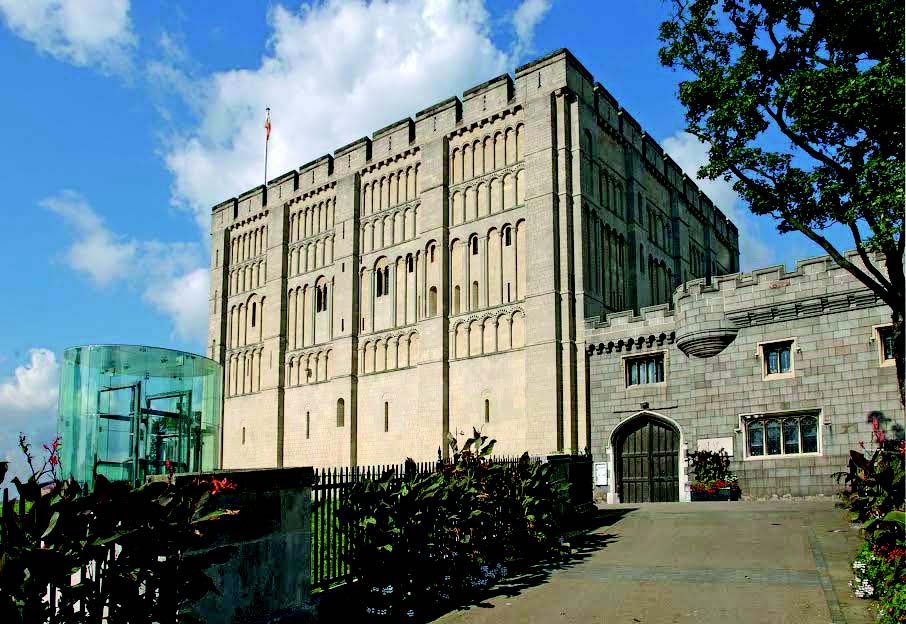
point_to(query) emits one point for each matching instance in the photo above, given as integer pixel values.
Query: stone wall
(715, 375)
(443, 262)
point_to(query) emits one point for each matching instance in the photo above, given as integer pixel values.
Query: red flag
(267, 126)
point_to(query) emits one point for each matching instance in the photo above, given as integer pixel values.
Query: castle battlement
(559, 69)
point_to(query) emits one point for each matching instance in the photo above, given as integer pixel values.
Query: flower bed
(713, 479)
(874, 495)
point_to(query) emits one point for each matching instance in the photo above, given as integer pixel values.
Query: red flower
(53, 460)
(222, 485)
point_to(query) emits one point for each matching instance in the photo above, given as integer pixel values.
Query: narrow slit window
(386, 416)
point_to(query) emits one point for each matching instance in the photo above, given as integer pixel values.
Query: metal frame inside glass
(127, 410)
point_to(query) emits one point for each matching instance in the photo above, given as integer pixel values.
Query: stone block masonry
(435, 276)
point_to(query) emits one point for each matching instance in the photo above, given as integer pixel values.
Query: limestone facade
(789, 422)
(436, 276)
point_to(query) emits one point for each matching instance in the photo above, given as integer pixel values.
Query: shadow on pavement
(341, 603)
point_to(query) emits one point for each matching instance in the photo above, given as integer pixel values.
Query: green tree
(801, 103)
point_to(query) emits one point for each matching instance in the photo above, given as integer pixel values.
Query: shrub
(873, 486)
(420, 539)
(134, 548)
(712, 472)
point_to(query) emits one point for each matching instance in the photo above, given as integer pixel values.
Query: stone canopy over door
(647, 461)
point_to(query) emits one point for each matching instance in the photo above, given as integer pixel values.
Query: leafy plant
(874, 485)
(420, 539)
(137, 551)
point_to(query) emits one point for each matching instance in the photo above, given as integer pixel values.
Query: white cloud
(32, 386)
(171, 276)
(525, 19)
(28, 404)
(82, 32)
(332, 72)
(184, 299)
(690, 153)
(97, 253)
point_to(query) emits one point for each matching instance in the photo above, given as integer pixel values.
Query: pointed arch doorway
(646, 458)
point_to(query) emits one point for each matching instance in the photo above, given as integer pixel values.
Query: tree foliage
(801, 103)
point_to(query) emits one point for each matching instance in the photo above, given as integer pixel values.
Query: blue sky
(123, 123)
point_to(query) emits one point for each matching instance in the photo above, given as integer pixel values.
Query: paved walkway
(741, 562)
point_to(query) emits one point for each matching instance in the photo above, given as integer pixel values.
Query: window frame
(781, 417)
(761, 353)
(878, 339)
(625, 359)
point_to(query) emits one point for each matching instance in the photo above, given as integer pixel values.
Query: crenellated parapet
(707, 317)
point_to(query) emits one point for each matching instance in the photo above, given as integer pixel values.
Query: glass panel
(773, 366)
(790, 436)
(660, 369)
(772, 430)
(785, 360)
(756, 439)
(652, 373)
(887, 338)
(125, 410)
(809, 427)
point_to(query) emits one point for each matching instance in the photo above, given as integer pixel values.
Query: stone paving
(740, 562)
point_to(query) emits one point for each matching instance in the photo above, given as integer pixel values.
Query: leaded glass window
(772, 435)
(756, 438)
(886, 335)
(809, 428)
(790, 436)
(778, 357)
(793, 435)
(645, 370)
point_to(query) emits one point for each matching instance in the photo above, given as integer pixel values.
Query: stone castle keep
(437, 276)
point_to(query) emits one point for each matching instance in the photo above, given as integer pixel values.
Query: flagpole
(267, 140)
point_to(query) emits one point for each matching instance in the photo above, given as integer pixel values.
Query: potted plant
(713, 479)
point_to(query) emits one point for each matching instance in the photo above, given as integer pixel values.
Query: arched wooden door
(647, 461)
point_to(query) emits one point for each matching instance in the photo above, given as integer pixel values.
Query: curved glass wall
(125, 410)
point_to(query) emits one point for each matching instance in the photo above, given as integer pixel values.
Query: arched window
(386, 416)
(641, 258)
(410, 266)
(432, 301)
(474, 245)
(379, 289)
(456, 300)
(508, 237)
(432, 253)
(386, 280)
(474, 295)
(254, 309)
(487, 410)
(341, 412)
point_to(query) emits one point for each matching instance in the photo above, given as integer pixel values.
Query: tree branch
(798, 140)
(885, 294)
(860, 247)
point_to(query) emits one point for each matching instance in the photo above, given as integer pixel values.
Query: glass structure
(125, 410)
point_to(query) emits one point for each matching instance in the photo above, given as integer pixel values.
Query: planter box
(722, 494)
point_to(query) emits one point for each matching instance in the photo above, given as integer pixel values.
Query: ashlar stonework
(436, 276)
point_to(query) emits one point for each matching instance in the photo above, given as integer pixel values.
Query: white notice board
(600, 473)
